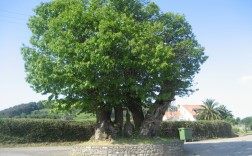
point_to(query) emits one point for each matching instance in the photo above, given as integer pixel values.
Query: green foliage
(35, 130)
(86, 117)
(224, 112)
(42, 114)
(34, 110)
(239, 129)
(87, 54)
(247, 121)
(41, 111)
(232, 120)
(212, 111)
(238, 120)
(209, 111)
(21, 110)
(201, 129)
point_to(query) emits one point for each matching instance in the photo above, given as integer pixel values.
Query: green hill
(21, 110)
(39, 111)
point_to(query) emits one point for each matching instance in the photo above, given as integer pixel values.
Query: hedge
(201, 129)
(41, 130)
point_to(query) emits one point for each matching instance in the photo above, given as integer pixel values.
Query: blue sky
(223, 27)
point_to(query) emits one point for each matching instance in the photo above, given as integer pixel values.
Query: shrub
(46, 130)
(239, 129)
(37, 130)
(201, 129)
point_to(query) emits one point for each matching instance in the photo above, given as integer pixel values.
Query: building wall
(185, 114)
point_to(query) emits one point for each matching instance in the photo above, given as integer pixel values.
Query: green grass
(87, 117)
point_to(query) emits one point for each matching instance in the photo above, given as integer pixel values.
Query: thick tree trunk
(119, 118)
(103, 115)
(154, 116)
(153, 119)
(128, 126)
(104, 129)
(135, 108)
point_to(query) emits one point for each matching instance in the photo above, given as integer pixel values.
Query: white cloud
(246, 79)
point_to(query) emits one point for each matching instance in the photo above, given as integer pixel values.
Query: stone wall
(174, 148)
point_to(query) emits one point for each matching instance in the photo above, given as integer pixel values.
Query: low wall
(174, 148)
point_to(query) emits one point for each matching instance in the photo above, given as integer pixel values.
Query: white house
(182, 113)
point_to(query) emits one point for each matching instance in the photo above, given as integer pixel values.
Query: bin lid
(183, 128)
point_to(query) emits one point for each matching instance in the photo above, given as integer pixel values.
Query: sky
(223, 27)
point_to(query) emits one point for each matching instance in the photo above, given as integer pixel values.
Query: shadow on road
(237, 148)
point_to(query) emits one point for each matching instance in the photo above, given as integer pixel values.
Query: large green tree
(99, 55)
(247, 121)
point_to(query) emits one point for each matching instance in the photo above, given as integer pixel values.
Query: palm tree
(224, 112)
(209, 110)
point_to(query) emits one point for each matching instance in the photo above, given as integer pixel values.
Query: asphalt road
(240, 146)
(36, 151)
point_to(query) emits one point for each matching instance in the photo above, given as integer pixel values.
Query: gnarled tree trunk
(119, 118)
(154, 116)
(134, 106)
(104, 129)
(128, 126)
(153, 119)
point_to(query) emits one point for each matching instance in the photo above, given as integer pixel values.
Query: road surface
(239, 146)
(36, 151)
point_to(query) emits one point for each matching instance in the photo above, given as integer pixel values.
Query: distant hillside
(22, 109)
(39, 111)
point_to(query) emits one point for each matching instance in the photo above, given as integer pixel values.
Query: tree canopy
(88, 54)
(92, 52)
(224, 112)
(247, 121)
(211, 110)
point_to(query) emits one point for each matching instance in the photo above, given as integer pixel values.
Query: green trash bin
(185, 134)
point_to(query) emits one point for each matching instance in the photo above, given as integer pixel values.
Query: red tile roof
(192, 108)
